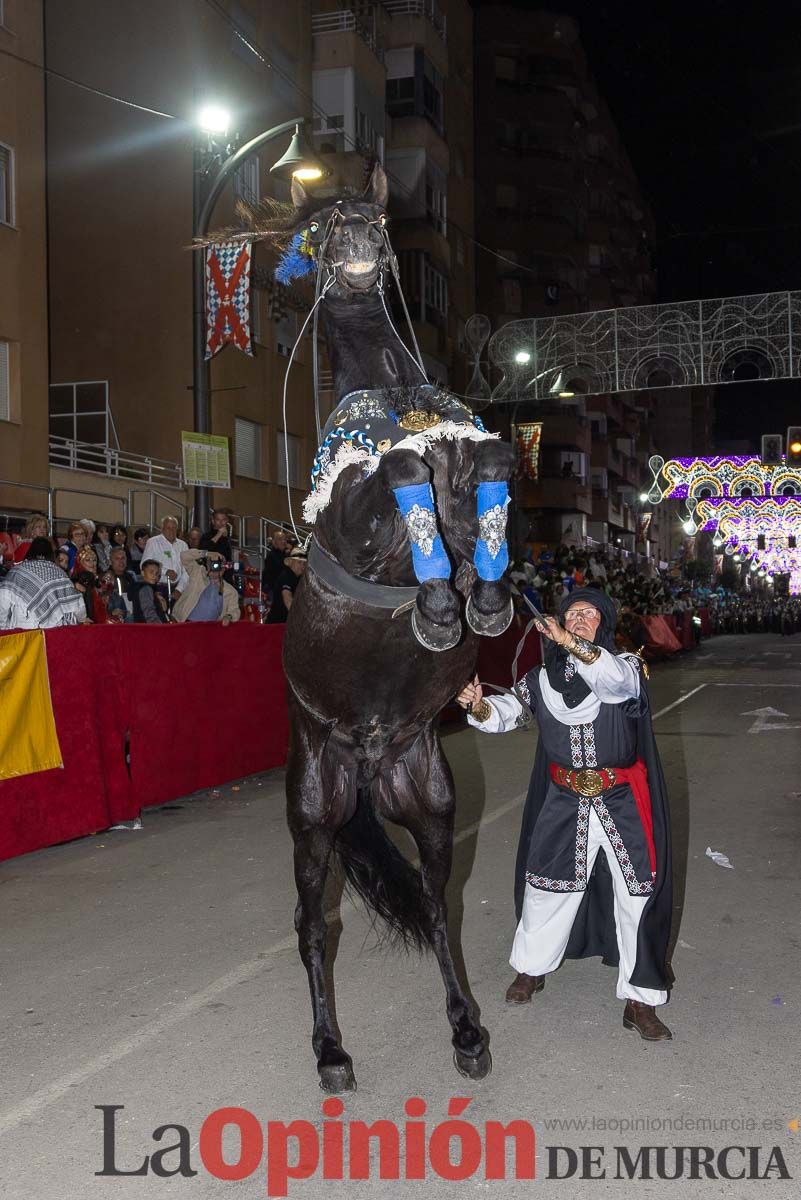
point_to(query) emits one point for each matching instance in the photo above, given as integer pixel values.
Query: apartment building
(558, 199)
(23, 255)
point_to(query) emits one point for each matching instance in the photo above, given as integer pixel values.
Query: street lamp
(299, 161)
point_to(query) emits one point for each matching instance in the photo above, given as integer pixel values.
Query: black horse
(377, 644)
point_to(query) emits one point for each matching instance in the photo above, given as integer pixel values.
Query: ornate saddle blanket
(370, 422)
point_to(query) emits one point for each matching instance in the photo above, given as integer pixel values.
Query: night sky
(707, 99)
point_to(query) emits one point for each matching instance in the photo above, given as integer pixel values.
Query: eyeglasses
(577, 614)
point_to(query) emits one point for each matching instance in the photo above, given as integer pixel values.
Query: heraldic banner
(28, 738)
(228, 297)
(528, 448)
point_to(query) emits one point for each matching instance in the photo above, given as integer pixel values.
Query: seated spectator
(84, 576)
(166, 549)
(140, 539)
(219, 538)
(36, 527)
(193, 537)
(274, 561)
(63, 559)
(149, 607)
(286, 585)
(76, 540)
(36, 594)
(207, 597)
(102, 545)
(115, 585)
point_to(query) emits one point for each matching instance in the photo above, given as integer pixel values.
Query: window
(436, 198)
(5, 381)
(414, 87)
(433, 104)
(329, 134)
(460, 249)
(285, 334)
(6, 185)
(246, 181)
(505, 68)
(506, 196)
(368, 139)
(435, 291)
(288, 456)
(80, 412)
(247, 448)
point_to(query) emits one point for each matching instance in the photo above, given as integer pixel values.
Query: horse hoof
(489, 624)
(473, 1066)
(337, 1077)
(436, 637)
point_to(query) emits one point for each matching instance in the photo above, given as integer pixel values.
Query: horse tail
(383, 877)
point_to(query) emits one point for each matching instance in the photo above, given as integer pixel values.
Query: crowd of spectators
(101, 574)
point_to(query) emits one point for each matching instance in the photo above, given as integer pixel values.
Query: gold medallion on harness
(418, 421)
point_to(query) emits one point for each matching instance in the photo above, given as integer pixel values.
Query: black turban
(572, 687)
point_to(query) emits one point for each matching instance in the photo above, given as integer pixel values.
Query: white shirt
(168, 555)
(612, 679)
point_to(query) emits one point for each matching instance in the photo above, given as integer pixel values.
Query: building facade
(23, 256)
(558, 199)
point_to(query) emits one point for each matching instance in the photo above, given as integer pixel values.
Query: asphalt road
(157, 970)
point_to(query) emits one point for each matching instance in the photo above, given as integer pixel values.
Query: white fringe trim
(454, 431)
(345, 456)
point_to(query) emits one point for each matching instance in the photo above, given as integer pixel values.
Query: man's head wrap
(569, 684)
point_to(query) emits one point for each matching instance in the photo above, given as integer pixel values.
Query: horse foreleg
(425, 805)
(489, 607)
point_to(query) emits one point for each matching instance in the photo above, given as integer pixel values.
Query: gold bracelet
(583, 650)
(482, 711)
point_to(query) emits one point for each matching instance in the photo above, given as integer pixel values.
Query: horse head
(346, 236)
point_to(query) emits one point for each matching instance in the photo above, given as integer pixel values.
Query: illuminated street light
(689, 528)
(522, 356)
(299, 161)
(213, 118)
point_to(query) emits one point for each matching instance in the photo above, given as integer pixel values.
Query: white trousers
(542, 935)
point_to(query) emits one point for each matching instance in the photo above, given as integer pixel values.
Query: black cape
(593, 931)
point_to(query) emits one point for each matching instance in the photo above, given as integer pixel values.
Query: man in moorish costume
(597, 784)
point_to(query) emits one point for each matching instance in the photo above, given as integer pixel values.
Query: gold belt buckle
(589, 782)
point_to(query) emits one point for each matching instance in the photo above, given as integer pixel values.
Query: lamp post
(298, 161)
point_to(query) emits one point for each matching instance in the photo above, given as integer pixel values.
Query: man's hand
(470, 694)
(227, 619)
(172, 576)
(161, 601)
(550, 628)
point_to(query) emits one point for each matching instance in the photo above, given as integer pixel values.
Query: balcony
(115, 464)
(428, 9)
(563, 428)
(345, 21)
(566, 495)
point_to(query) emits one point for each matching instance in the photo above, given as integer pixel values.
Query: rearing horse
(405, 569)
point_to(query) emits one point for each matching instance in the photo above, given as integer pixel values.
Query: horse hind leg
(489, 607)
(430, 822)
(313, 848)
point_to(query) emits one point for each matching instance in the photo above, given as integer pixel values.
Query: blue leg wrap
(492, 554)
(416, 503)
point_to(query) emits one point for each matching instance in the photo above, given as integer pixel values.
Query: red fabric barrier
(661, 636)
(197, 706)
(706, 622)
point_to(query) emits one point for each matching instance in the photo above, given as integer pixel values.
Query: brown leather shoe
(523, 988)
(643, 1018)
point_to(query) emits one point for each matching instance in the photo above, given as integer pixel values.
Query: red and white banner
(228, 297)
(528, 448)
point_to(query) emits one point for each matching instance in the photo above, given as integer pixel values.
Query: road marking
(757, 685)
(56, 1090)
(676, 703)
(762, 721)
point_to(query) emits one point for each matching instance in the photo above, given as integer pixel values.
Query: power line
(29, 62)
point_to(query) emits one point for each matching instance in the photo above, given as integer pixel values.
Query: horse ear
(377, 190)
(300, 197)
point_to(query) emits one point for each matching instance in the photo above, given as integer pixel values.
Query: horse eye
(313, 227)
(382, 220)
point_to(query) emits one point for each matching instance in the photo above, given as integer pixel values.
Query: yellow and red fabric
(28, 738)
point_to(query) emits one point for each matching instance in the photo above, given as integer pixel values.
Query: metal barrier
(170, 500)
(118, 464)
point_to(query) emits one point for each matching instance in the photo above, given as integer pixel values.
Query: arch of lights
(687, 344)
(739, 499)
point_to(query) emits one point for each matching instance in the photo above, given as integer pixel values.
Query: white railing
(118, 464)
(419, 8)
(346, 21)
